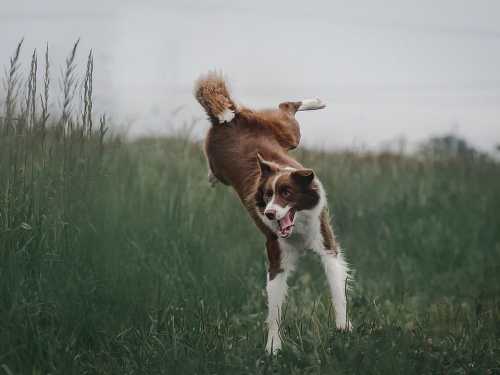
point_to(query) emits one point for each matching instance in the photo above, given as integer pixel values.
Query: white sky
(386, 68)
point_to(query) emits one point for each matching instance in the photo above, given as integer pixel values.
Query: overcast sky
(386, 68)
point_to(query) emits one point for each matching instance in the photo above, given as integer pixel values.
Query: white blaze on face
(280, 211)
(272, 206)
(284, 216)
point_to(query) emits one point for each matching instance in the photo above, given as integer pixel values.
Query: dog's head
(283, 194)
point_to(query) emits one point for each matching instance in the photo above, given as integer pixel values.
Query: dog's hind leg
(281, 264)
(286, 126)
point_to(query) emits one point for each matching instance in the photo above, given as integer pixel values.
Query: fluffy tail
(211, 92)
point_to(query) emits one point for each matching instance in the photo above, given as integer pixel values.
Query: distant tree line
(451, 146)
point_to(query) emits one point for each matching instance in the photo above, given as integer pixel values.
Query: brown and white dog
(248, 150)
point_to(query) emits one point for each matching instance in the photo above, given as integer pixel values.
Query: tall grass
(49, 172)
(116, 257)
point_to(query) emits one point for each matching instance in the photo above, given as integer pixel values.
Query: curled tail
(211, 92)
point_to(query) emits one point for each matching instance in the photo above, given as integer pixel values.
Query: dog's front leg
(281, 264)
(337, 274)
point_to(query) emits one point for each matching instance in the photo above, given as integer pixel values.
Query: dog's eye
(268, 194)
(286, 193)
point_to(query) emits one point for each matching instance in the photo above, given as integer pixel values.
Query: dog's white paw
(273, 344)
(311, 104)
(343, 325)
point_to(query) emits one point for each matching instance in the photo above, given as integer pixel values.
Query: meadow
(116, 256)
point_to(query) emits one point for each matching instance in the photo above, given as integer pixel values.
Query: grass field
(117, 258)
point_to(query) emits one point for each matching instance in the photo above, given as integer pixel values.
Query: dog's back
(238, 134)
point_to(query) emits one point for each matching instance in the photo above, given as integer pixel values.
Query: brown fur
(273, 257)
(327, 232)
(232, 149)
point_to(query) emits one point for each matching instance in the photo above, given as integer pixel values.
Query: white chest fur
(307, 230)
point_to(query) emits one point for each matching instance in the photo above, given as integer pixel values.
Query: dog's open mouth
(286, 224)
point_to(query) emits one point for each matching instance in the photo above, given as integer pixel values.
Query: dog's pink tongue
(286, 221)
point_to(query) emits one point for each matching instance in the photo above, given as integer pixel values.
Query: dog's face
(284, 193)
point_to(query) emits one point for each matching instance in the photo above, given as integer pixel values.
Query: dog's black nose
(270, 214)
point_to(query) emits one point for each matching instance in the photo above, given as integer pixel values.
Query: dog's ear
(303, 177)
(267, 168)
